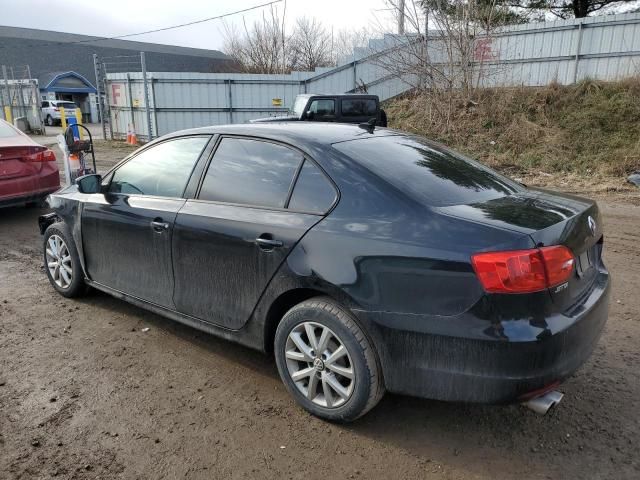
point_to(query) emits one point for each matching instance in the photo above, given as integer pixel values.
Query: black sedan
(365, 260)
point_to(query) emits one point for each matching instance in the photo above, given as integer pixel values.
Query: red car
(28, 171)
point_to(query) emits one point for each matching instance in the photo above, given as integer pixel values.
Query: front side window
(162, 170)
(313, 191)
(250, 172)
(359, 107)
(45, 104)
(323, 107)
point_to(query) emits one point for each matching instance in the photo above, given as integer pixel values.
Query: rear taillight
(523, 271)
(42, 156)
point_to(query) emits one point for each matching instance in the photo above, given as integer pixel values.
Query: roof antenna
(368, 126)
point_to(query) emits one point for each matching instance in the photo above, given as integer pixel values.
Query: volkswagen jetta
(365, 259)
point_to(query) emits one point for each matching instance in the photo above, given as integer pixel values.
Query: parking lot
(97, 388)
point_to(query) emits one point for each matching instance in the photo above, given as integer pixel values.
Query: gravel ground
(86, 393)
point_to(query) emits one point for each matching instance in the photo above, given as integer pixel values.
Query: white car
(51, 110)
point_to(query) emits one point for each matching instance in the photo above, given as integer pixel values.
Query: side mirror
(307, 115)
(89, 183)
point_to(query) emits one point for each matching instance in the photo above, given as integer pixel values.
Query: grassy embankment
(589, 131)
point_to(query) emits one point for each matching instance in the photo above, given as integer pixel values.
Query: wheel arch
(281, 305)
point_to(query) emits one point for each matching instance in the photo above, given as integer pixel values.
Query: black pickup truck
(347, 108)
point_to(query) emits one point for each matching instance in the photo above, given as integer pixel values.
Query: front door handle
(159, 226)
(268, 243)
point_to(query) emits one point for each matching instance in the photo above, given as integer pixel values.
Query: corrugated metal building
(55, 59)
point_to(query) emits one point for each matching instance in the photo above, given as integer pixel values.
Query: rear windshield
(7, 130)
(67, 105)
(428, 172)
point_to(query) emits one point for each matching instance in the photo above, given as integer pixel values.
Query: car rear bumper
(528, 355)
(34, 187)
(25, 198)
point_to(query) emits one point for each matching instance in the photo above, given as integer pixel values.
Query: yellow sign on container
(276, 102)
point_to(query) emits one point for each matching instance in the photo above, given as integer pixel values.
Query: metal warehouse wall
(606, 47)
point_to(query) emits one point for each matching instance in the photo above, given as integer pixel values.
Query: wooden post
(63, 119)
(79, 121)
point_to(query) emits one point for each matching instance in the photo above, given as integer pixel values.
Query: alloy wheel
(319, 364)
(59, 261)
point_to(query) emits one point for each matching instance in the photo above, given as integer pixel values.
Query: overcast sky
(118, 17)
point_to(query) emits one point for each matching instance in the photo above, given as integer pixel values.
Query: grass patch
(589, 129)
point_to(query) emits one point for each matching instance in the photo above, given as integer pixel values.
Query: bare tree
(260, 47)
(309, 45)
(442, 54)
(345, 41)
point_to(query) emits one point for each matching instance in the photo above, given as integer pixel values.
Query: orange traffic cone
(134, 138)
(129, 134)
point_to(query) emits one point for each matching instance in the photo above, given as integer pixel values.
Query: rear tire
(50, 121)
(61, 261)
(342, 380)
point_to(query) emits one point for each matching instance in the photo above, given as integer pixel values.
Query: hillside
(587, 131)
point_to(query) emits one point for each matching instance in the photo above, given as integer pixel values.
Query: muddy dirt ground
(86, 393)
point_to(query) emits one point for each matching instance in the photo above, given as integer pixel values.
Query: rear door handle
(159, 226)
(268, 243)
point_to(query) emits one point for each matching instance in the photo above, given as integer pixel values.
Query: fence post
(146, 96)
(355, 75)
(155, 106)
(577, 58)
(108, 102)
(133, 120)
(99, 97)
(2, 104)
(230, 101)
(8, 109)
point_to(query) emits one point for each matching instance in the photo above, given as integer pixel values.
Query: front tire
(61, 261)
(326, 361)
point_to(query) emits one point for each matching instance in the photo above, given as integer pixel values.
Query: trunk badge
(592, 225)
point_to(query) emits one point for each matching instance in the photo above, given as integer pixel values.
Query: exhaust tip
(544, 403)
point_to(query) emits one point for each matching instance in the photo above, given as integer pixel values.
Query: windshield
(298, 106)
(428, 172)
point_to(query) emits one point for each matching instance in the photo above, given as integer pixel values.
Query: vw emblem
(592, 225)
(318, 364)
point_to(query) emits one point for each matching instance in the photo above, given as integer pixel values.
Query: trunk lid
(549, 219)
(15, 146)
(14, 162)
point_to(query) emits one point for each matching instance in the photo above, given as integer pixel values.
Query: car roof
(324, 133)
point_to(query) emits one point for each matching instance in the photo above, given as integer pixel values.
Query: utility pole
(400, 17)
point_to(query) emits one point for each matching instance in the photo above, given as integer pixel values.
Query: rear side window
(313, 191)
(45, 104)
(7, 130)
(67, 105)
(428, 172)
(162, 170)
(250, 172)
(358, 107)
